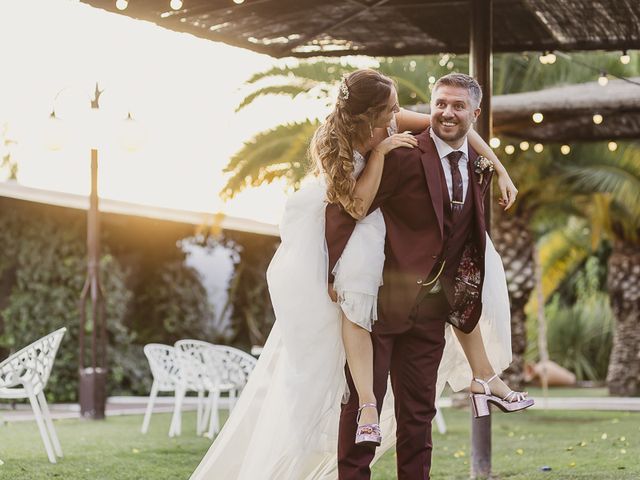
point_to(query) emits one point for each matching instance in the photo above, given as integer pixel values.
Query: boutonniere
(482, 164)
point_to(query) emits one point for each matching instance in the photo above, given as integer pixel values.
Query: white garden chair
(202, 368)
(235, 370)
(238, 365)
(25, 374)
(165, 369)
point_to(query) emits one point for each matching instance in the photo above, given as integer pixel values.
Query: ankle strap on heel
(485, 384)
(363, 406)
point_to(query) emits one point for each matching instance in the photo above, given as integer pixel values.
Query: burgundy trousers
(412, 358)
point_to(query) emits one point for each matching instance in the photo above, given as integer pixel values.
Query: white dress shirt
(445, 149)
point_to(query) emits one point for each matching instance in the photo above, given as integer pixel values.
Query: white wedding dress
(285, 424)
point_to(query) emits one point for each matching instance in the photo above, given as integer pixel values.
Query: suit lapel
(430, 161)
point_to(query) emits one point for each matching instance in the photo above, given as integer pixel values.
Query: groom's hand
(332, 294)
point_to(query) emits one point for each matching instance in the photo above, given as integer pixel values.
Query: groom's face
(452, 113)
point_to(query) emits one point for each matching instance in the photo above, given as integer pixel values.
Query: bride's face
(387, 114)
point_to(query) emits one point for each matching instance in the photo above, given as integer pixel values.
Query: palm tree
(515, 232)
(616, 219)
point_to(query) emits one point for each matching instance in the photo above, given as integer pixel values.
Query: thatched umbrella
(309, 28)
(569, 111)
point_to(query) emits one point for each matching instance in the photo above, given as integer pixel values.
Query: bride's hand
(332, 294)
(508, 191)
(404, 139)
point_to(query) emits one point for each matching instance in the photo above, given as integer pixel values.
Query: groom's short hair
(460, 80)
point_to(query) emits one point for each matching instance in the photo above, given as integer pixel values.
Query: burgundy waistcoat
(456, 233)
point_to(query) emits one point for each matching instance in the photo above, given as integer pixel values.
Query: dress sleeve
(392, 129)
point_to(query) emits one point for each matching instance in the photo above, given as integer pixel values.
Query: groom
(432, 199)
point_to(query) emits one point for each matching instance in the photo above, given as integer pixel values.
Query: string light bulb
(537, 117)
(603, 79)
(176, 4)
(122, 4)
(565, 149)
(613, 146)
(547, 58)
(494, 142)
(538, 148)
(625, 58)
(509, 149)
(597, 119)
(524, 146)
(238, 2)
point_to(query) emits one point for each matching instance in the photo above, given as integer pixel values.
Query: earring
(370, 130)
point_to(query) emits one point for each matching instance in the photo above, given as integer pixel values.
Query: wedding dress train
(285, 424)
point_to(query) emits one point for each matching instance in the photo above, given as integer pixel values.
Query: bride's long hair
(363, 96)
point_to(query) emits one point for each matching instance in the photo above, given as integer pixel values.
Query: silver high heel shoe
(369, 433)
(511, 402)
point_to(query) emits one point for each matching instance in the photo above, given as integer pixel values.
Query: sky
(180, 90)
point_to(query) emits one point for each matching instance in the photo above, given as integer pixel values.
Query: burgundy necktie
(457, 200)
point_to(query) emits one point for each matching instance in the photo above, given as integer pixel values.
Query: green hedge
(148, 297)
(45, 268)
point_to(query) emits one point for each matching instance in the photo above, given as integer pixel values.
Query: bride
(285, 424)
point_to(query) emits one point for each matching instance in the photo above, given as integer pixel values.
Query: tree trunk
(623, 377)
(511, 237)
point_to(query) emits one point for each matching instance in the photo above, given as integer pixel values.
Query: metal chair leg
(214, 419)
(49, 424)
(41, 426)
(149, 411)
(176, 420)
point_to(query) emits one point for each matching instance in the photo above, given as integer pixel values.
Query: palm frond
(412, 74)
(305, 77)
(554, 214)
(599, 216)
(597, 170)
(277, 153)
(407, 88)
(562, 252)
(317, 71)
(290, 90)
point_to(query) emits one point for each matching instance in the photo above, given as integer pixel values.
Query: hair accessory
(344, 89)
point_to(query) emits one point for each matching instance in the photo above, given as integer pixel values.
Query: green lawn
(576, 445)
(580, 392)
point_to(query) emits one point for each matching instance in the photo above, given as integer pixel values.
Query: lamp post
(93, 374)
(92, 336)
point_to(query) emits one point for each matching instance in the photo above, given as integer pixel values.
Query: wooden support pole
(480, 67)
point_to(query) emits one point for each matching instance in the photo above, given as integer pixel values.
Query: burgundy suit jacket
(411, 199)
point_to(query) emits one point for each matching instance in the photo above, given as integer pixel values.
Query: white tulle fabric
(285, 425)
